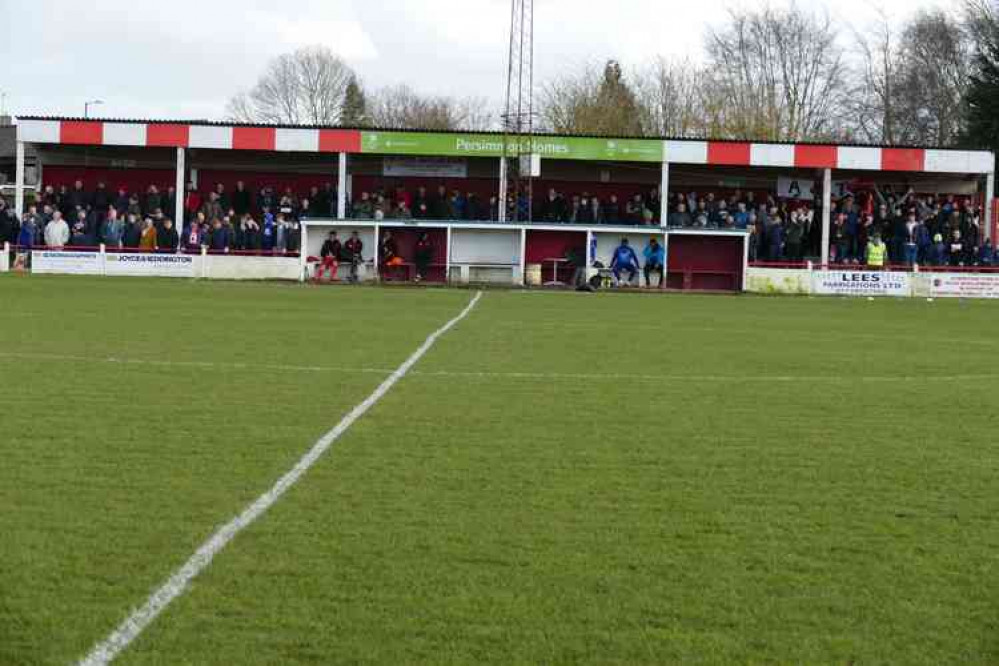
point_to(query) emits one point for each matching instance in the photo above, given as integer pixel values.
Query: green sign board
(489, 145)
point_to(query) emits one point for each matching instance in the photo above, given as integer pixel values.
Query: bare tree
(307, 87)
(671, 98)
(913, 80)
(936, 58)
(402, 107)
(591, 101)
(872, 98)
(779, 72)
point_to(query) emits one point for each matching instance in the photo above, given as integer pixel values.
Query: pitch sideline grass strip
(760, 379)
(104, 652)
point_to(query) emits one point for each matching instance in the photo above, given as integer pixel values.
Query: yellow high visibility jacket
(876, 254)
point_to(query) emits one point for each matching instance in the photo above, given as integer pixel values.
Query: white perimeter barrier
(849, 282)
(129, 264)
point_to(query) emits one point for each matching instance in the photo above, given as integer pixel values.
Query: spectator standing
(57, 231)
(876, 252)
(147, 241)
(241, 199)
(121, 200)
(219, 240)
(192, 201)
(268, 233)
(249, 232)
(76, 198)
(986, 254)
(101, 200)
(193, 234)
(8, 223)
(167, 238)
(957, 249)
(133, 232)
(29, 228)
(113, 229)
(212, 208)
(423, 255)
(610, 210)
(910, 246)
(153, 201)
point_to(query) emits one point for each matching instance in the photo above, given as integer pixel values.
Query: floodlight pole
(988, 209)
(341, 187)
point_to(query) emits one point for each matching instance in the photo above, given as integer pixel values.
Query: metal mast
(518, 119)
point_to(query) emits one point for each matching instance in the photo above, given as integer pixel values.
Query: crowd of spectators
(928, 230)
(934, 230)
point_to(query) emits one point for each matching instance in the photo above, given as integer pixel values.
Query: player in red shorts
(329, 257)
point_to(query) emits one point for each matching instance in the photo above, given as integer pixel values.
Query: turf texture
(564, 479)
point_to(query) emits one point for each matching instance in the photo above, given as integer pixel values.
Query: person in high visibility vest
(877, 251)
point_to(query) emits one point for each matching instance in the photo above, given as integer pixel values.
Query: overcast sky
(185, 58)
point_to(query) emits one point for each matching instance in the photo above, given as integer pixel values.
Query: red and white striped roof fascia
(716, 153)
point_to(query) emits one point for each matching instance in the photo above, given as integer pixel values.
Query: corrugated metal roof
(226, 123)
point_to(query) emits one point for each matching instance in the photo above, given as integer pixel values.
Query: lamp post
(87, 105)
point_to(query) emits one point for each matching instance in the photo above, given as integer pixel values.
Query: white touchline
(511, 374)
(134, 624)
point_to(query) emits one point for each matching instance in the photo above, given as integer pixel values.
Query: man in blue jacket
(624, 261)
(655, 259)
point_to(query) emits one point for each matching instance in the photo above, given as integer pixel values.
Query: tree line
(766, 73)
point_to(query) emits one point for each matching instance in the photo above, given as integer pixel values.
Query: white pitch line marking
(775, 379)
(105, 651)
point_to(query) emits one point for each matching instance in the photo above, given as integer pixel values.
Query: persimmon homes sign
(481, 145)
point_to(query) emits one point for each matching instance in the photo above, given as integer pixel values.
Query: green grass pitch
(564, 479)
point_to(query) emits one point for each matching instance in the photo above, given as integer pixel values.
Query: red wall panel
(903, 159)
(732, 154)
(253, 138)
(816, 157)
(337, 141)
(711, 262)
(167, 135)
(87, 133)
